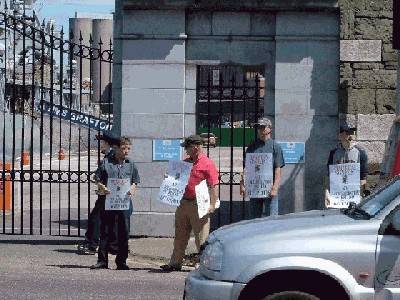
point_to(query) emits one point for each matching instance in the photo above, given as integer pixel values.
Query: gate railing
(230, 99)
(48, 158)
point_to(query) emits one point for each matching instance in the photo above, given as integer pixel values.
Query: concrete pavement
(49, 267)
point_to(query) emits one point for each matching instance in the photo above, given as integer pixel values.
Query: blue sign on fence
(293, 152)
(167, 150)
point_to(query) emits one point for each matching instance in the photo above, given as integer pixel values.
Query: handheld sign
(203, 199)
(259, 174)
(173, 187)
(118, 199)
(344, 181)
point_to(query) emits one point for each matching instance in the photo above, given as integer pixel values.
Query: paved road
(34, 267)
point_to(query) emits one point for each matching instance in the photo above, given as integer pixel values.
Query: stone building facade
(368, 72)
(322, 60)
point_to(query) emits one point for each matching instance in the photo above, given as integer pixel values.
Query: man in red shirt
(186, 215)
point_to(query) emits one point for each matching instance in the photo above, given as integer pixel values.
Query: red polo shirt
(203, 168)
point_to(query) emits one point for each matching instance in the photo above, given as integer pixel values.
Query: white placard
(344, 183)
(203, 199)
(259, 174)
(173, 187)
(118, 199)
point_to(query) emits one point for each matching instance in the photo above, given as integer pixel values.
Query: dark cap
(109, 137)
(346, 127)
(263, 122)
(191, 140)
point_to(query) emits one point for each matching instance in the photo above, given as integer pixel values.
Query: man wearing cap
(108, 141)
(348, 152)
(186, 215)
(265, 144)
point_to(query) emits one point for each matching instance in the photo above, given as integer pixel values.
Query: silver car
(330, 254)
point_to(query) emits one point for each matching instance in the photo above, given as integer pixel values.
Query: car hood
(316, 222)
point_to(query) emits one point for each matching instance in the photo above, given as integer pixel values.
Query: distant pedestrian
(116, 167)
(348, 151)
(108, 140)
(264, 143)
(186, 215)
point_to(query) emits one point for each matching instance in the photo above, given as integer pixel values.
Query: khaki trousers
(186, 220)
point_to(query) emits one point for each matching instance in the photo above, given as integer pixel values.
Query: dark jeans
(263, 207)
(109, 220)
(92, 234)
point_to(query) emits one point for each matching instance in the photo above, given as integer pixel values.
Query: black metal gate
(50, 113)
(230, 99)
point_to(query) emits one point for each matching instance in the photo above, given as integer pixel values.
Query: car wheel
(291, 295)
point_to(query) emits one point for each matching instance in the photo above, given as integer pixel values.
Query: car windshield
(378, 200)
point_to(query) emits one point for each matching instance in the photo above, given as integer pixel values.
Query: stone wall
(368, 67)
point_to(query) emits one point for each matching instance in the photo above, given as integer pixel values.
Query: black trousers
(111, 219)
(92, 234)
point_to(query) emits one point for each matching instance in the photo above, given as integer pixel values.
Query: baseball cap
(346, 127)
(191, 140)
(109, 137)
(263, 122)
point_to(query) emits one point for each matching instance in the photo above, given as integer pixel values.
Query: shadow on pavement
(72, 251)
(69, 266)
(41, 242)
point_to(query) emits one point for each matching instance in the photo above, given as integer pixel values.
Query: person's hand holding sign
(132, 190)
(102, 190)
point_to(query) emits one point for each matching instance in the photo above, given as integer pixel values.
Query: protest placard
(118, 199)
(203, 199)
(258, 174)
(173, 187)
(344, 181)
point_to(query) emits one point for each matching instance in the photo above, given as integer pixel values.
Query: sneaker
(123, 267)
(169, 268)
(86, 249)
(99, 265)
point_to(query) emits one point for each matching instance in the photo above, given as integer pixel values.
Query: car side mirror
(396, 220)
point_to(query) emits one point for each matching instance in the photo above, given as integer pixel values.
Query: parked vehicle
(339, 254)
(209, 138)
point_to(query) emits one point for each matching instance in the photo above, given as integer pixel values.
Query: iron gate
(230, 99)
(51, 111)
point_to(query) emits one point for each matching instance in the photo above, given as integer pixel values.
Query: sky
(62, 10)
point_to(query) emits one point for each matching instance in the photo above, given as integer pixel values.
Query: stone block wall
(368, 71)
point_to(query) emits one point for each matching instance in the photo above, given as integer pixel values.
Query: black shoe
(123, 267)
(99, 265)
(169, 268)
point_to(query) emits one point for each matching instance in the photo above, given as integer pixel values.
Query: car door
(387, 262)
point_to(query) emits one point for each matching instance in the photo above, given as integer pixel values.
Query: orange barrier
(25, 158)
(5, 202)
(61, 154)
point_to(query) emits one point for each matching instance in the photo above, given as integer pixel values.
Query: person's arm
(277, 182)
(213, 198)
(100, 176)
(135, 179)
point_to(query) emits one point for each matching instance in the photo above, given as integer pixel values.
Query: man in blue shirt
(265, 144)
(108, 140)
(117, 167)
(348, 152)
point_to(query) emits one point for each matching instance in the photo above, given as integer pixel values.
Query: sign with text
(118, 199)
(293, 152)
(167, 150)
(173, 187)
(259, 174)
(75, 116)
(344, 183)
(203, 199)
